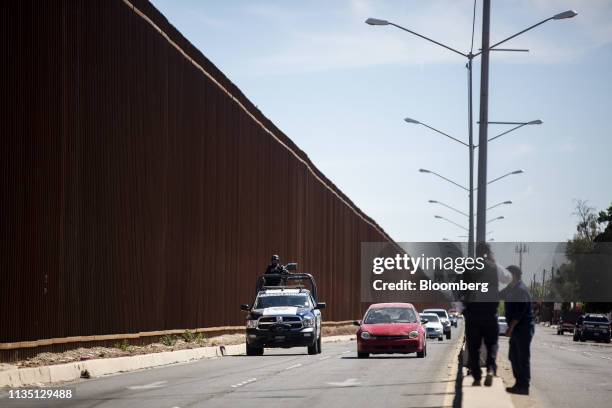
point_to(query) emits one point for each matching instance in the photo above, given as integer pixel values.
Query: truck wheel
(448, 336)
(582, 338)
(319, 345)
(254, 351)
(422, 354)
(575, 337)
(313, 349)
(440, 338)
(363, 355)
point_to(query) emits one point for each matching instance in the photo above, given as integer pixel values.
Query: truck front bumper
(281, 338)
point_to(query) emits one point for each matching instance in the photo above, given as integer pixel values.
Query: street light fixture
(448, 206)
(506, 175)
(565, 14)
(501, 217)
(443, 178)
(498, 204)
(519, 125)
(452, 222)
(376, 22)
(416, 122)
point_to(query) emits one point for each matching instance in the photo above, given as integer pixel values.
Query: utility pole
(481, 211)
(543, 280)
(471, 248)
(521, 249)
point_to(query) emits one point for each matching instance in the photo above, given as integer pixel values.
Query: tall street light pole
(481, 222)
(481, 229)
(484, 91)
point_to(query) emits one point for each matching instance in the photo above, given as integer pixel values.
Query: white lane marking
(240, 384)
(349, 382)
(324, 358)
(293, 366)
(155, 384)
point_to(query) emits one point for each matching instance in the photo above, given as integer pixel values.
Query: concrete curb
(454, 367)
(486, 397)
(23, 377)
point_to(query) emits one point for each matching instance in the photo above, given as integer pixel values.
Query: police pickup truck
(284, 316)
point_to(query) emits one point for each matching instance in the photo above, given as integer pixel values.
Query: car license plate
(278, 338)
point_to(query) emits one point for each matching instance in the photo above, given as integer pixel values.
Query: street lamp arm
(507, 131)
(452, 222)
(516, 35)
(505, 175)
(449, 207)
(449, 180)
(445, 134)
(428, 39)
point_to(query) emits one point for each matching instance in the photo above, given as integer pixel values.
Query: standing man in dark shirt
(275, 268)
(520, 330)
(481, 316)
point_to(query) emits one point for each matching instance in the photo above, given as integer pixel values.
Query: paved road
(281, 378)
(565, 373)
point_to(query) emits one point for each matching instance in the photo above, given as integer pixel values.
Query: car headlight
(413, 334)
(251, 324)
(308, 322)
(367, 336)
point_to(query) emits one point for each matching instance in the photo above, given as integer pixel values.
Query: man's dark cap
(514, 270)
(483, 249)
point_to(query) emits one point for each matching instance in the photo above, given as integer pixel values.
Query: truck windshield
(390, 315)
(282, 300)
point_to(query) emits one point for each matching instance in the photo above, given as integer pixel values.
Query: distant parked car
(443, 319)
(566, 323)
(592, 327)
(503, 325)
(391, 328)
(433, 326)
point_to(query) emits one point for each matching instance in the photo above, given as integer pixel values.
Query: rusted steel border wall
(141, 190)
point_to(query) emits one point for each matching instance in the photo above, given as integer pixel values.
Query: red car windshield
(390, 315)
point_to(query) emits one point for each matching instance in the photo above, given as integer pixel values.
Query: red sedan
(391, 328)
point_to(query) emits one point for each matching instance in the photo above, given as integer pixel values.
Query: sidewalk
(476, 397)
(485, 397)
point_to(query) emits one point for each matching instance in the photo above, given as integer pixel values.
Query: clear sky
(340, 89)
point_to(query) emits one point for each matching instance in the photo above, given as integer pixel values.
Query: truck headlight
(308, 322)
(251, 324)
(413, 334)
(367, 336)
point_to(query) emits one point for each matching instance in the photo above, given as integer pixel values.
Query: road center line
(293, 366)
(240, 384)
